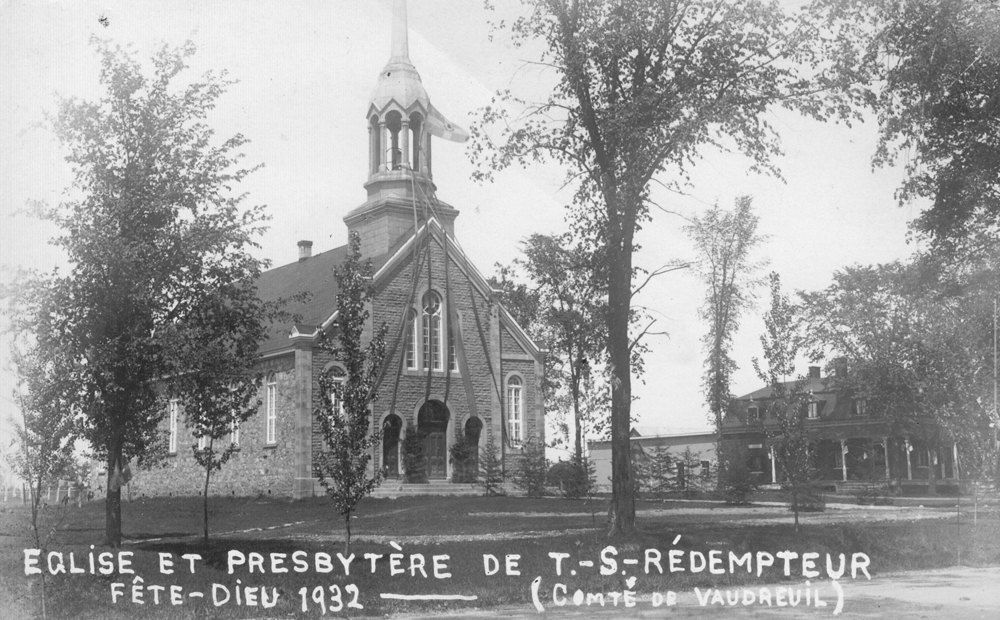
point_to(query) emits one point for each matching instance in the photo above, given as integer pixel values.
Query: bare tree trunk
(347, 526)
(621, 514)
(208, 475)
(113, 502)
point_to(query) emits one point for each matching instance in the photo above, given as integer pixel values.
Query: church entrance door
(432, 424)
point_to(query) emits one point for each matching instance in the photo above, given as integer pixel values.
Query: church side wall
(255, 469)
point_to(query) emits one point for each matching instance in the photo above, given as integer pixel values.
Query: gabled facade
(459, 367)
(850, 442)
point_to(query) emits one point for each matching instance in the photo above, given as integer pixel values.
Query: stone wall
(255, 469)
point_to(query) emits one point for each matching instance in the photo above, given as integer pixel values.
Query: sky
(305, 72)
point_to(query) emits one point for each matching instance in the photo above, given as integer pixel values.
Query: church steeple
(400, 142)
(401, 121)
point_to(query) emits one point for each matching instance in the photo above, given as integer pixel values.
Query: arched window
(410, 342)
(175, 407)
(515, 409)
(432, 331)
(272, 413)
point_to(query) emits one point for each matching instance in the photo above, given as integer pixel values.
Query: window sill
(414, 372)
(270, 446)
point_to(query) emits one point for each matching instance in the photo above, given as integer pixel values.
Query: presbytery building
(851, 444)
(459, 367)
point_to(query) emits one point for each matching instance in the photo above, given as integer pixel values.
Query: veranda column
(909, 465)
(954, 467)
(843, 458)
(774, 474)
(885, 454)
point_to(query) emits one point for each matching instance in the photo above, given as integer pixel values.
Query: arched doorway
(391, 428)
(432, 424)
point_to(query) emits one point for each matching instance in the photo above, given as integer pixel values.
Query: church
(461, 369)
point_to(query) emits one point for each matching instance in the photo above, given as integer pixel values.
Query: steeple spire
(400, 40)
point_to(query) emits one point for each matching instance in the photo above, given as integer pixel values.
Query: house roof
(813, 384)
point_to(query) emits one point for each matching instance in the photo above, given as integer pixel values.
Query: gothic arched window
(431, 323)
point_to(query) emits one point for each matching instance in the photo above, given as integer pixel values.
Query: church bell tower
(401, 122)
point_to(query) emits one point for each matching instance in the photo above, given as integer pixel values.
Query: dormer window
(813, 410)
(753, 413)
(860, 407)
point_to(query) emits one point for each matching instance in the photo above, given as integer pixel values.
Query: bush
(463, 461)
(737, 482)
(491, 470)
(575, 478)
(529, 473)
(414, 463)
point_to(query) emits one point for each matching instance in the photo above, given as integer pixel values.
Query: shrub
(737, 482)
(414, 462)
(463, 461)
(491, 470)
(575, 477)
(529, 473)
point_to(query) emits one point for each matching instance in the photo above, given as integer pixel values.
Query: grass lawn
(464, 529)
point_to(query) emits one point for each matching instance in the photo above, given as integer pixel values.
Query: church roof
(311, 278)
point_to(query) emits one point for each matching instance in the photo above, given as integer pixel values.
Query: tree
(641, 89)
(933, 67)
(917, 338)
(788, 403)
(530, 470)
(42, 445)
(213, 355)
(570, 307)
(491, 469)
(345, 466)
(151, 227)
(724, 241)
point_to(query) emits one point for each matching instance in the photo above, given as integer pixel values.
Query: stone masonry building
(460, 367)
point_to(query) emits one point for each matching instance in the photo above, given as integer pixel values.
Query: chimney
(814, 372)
(305, 250)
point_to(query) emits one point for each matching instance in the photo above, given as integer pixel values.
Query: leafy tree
(788, 403)
(151, 228)
(567, 290)
(213, 356)
(641, 89)
(917, 339)
(344, 467)
(933, 67)
(41, 451)
(491, 472)
(725, 241)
